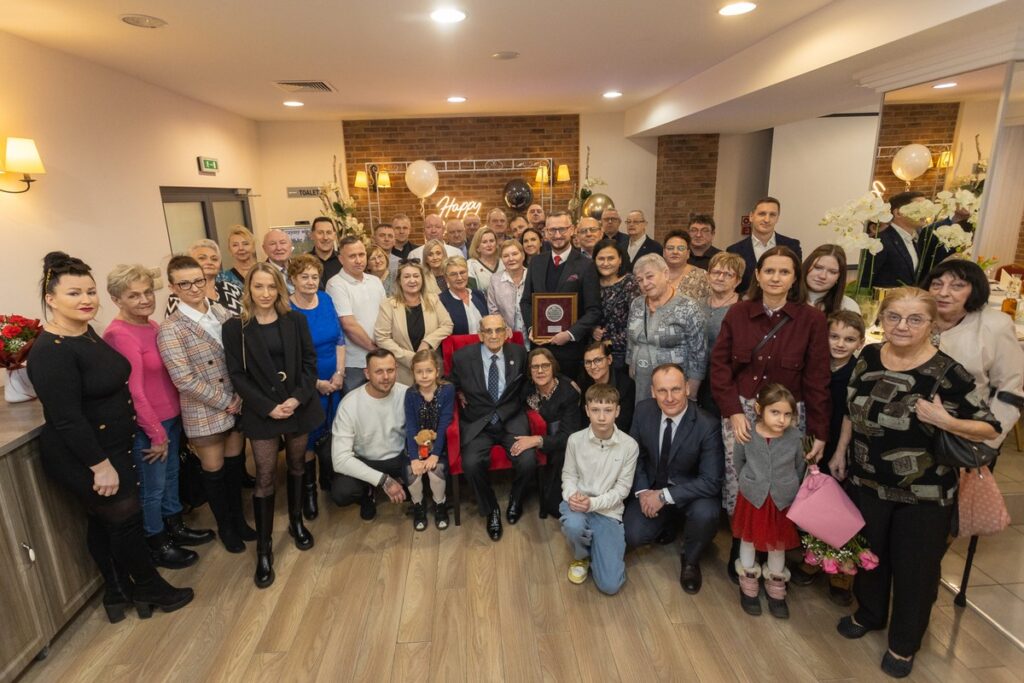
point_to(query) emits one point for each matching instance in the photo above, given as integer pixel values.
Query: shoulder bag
(956, 451)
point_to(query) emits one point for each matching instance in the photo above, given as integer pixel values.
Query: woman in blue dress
(305, 272)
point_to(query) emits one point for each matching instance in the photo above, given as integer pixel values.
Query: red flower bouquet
(17, 334)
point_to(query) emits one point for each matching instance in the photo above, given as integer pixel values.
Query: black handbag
(956, 451)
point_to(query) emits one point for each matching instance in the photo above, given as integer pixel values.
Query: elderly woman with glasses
(223, 291)
(688, 279)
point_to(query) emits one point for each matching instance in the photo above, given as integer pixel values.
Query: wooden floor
(376, 601)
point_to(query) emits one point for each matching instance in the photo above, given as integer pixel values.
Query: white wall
(744, 161)
(108, 142)
(819, 164)
(628, 166)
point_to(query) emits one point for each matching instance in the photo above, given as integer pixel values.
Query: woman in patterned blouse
(618, 289)
(688, 280)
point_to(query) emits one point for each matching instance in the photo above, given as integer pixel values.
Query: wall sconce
(22, 157)
(563, 173)
(361, 181)
(945, 159)
(542, 177)
(383, 180)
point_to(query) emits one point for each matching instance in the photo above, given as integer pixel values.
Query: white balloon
(421, 178)
(911, 162)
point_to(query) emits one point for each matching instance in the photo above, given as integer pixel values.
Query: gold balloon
(595, 205)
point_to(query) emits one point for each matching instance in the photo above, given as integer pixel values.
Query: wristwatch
(661, 497)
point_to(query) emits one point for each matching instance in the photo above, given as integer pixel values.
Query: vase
(18, 388)
(868, 305)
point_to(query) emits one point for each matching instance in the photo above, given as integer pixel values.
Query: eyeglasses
(590, 231)
(612, 219)
(681, 248)
(721, 273)
(629, 222)
(542, 367)
(700, 231)
(557, 231)
(490, 331)
(595, 362)
(913, 321)
(195, 284)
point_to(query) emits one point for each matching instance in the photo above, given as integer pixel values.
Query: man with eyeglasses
(702, 234)
(639, 243)
(610, 223)
(278, 248)
(563, 269)
(491, 380)
(763, 237)
(588, 234)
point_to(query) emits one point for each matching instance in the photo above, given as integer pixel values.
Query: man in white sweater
(596, 478)
(368, 438)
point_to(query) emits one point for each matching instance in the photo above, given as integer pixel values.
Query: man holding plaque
(561, 301)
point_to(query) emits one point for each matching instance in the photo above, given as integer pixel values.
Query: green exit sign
(208, 165)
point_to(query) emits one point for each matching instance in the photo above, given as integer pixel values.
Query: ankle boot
(263, 511)
(234, 471)
(775, 587)
(750, 589)
(166, 554)
(296, 529)
(128, 548)
(310, 506)
(181, 535)
(214, 483)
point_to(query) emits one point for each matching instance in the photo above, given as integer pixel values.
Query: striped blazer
(196, 363)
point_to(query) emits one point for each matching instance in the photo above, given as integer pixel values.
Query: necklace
(71, 333)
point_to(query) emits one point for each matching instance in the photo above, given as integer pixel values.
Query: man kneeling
(597, 476)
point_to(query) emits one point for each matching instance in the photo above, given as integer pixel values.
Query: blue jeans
(600, 538)
(158, 481)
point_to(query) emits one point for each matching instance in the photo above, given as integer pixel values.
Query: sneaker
(441, 515)
(419, 517)
(367, 506)
(578, 571)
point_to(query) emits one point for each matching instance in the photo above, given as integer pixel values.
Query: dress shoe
(166, 554)
(494, 524)
(367, 506)
(690, 578)
(515, 511)
(182, 535)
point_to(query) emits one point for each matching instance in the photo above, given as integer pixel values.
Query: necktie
(661, 478)
(558, 260)
(492, 384)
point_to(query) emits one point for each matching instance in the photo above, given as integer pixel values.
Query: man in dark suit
(610, 223)
(679, 472)
(490, 378)
(638, 243)
(563, 269)
(763, 237)
(896, 265)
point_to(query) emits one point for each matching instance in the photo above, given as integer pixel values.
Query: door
(194, 213)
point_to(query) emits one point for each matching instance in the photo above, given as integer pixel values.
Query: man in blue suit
(896, 264)
(679, 472)
(763, 237)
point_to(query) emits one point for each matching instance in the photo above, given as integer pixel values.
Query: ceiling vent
(305, 86)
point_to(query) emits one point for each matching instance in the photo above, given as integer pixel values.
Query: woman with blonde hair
(484, 260)
(242, 245)
(411, 319)
(506, 289)
(466, 306)
(378, 264)
(434, 256)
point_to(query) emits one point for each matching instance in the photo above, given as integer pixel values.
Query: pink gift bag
(822, 509)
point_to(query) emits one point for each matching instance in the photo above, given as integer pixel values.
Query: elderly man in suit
(564, 270)
(639, 244)
(679, 473)
(897, 264)
(763, 237)
(610, 222)
(491, 380)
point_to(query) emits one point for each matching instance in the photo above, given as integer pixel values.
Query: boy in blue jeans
(596, 478)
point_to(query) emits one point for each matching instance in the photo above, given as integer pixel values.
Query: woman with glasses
(484, 261)
(598, 369)
(378, 264)
(618, 289)
(688, 280)
(907, 498)
(725, 270)
(221, 290)
(465, 306)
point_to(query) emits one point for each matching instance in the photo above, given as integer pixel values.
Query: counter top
(19, 424)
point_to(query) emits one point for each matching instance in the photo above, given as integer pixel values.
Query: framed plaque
(553, 312)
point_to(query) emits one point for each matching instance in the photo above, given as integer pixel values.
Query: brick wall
(926, 124)
(687, 165)
(478, 137)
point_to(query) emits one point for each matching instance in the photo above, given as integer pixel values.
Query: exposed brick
(685, 185)
(904, 124)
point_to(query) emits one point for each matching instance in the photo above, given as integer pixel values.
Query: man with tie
(897, 264)
(763, 237)
(490, 378)
(678, 475)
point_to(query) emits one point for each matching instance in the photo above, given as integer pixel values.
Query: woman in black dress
(272, 362)
(87, 440)
(618, 289)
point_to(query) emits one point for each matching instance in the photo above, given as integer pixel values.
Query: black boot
(128, 548)
(117, 587)
(310, 507)
(263, 511)
(247, 480)
(214, 483)
(730, 566)
(296, 529)
(166, 554)
(234, 473)
(181, 535)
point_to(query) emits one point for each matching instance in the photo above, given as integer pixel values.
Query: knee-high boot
(117, 586)
(234, 472)
(216, 494)
(310, 504)
(296, 529)
(263, 511)
(128, 548)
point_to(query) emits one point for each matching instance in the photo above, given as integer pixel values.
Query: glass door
(193, 213)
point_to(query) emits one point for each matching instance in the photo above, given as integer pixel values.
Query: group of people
(676, 391)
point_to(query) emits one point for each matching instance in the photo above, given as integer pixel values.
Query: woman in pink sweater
(158, 413)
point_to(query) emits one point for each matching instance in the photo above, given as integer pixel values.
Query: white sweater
(368, 428)
(601, 469)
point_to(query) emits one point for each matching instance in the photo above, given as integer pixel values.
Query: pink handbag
(822, 509)
(982, 510)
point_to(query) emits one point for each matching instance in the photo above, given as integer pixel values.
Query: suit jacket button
(221, 380)
(209, 362)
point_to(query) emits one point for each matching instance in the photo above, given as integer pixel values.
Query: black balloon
(518, 195)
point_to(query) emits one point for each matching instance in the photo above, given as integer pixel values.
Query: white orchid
(954, 238)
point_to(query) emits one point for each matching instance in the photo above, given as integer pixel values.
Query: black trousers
(699, 518)
(476, 462)
(346, 490)
(910, 541)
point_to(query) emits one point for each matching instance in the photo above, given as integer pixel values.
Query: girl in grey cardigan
(770, 468)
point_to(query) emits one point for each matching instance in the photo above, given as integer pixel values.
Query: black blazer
(577, 275)
(260, 384)
(561, 412)
(621, 380)
(745, 248)
(696, 469)
(648, 246)
(470, 377)
(891, 267)
(457, 311)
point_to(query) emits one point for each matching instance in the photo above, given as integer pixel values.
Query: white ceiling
(983, 84)
(388, 59)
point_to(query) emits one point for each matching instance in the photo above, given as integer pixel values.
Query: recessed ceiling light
(734, 9)
(456, 99)
(943, 86)
(293, 103)
(143, 21)
(612, 94)
(505, 54)
(447, 15)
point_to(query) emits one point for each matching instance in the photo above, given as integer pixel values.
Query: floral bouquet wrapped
(17, 334)
(845, 560)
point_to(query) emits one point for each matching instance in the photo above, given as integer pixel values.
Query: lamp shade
(22, 157)
(542, 175)
(361, 180)
(563, 173)
(383, 180)
(945, 159)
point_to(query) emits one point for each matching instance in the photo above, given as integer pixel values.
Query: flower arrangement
(845, 560)
(849, 223)
(340, 208)
(17, 335)
(951, 207)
